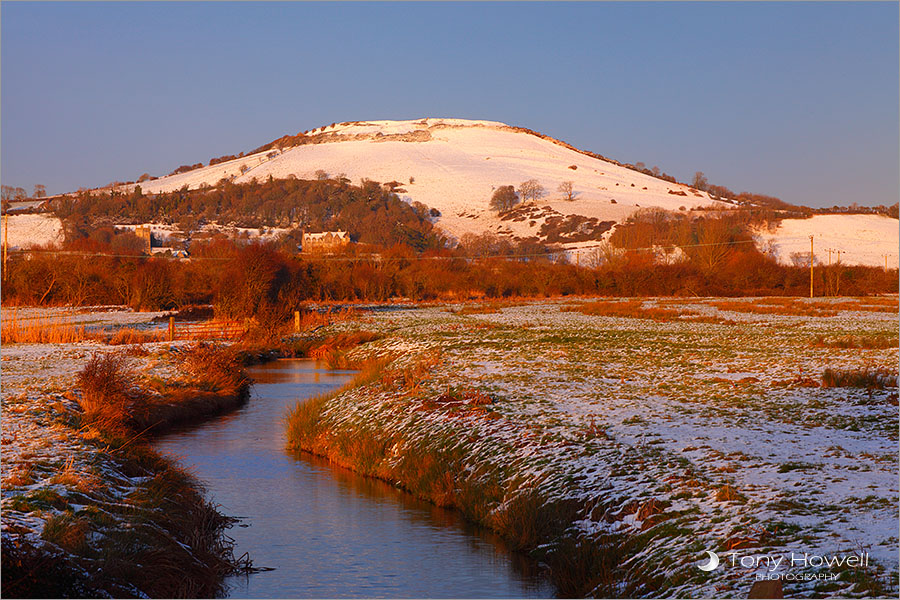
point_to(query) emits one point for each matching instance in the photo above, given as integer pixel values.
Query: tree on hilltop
(700, 182)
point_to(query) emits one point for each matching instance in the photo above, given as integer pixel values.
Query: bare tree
(700, 182)
(486, 244)
(714, 237)
(504, 198)
(531, 190)
(568, 190)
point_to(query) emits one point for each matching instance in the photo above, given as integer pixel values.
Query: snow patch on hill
(860, 239)
(30, 230)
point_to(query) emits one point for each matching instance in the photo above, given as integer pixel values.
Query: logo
(775, 566)
(711, 564)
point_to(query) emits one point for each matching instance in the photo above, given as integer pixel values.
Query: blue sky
(795, 100)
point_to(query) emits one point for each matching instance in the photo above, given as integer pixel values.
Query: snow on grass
(48, 467)
(717, 419)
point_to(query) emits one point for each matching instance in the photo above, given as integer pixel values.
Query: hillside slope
(860, 239)
(454, 165)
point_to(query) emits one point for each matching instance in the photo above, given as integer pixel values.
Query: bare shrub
(213, 368)
(108, 394)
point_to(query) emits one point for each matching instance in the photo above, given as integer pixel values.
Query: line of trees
(266, 282)
(371, 213)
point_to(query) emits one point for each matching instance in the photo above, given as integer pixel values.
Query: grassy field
(619, 440)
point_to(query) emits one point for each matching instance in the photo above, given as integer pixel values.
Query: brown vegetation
(162, 539)
(871, 379)
(856, 342)
(634, 309)
(112, 399)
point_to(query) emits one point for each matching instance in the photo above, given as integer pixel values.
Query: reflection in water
(327, 531)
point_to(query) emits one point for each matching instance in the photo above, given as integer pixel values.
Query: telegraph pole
(5, 241)
(811, 260)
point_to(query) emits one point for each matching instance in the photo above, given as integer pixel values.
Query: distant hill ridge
(454, 166)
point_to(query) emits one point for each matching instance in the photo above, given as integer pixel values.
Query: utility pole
(6, 242)
(829, 257)
(811, 261)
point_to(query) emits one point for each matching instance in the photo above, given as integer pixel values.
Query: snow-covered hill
(454, 165)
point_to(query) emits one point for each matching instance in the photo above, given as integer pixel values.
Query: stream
(326, 531)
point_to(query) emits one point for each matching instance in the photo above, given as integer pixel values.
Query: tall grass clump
(176, 548)
(109, 393)
(635, 309)
(320, 348)
(214, 367)
(870, 379)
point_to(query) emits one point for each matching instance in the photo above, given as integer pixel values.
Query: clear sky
(795, 100)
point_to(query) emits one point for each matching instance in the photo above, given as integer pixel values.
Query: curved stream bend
(327, 531)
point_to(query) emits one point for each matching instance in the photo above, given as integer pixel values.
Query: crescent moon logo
(712, 564)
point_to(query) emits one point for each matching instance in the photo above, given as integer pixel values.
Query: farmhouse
(327, 241)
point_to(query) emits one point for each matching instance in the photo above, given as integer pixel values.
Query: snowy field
(695, 435)
(52, 472)
(699, 436)
(34, 230)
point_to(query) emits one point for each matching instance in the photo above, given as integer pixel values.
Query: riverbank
(618, 441)
(88, 508)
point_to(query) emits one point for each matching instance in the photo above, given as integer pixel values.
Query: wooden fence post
(171, 329)
(296, 321)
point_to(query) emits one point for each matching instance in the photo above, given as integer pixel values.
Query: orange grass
(58, 330)
(634, 309)
(484, 309)
(878, 342)
(781, 307)
(313, 318)
(62, 330)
